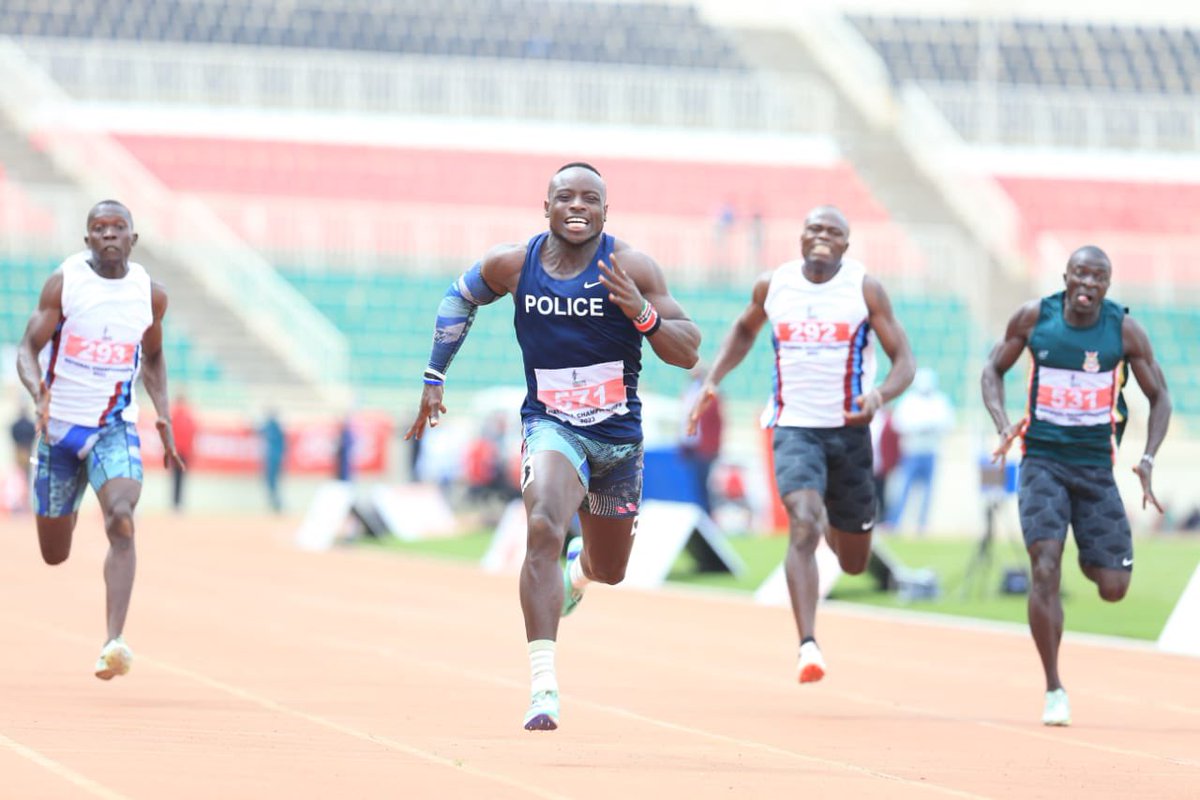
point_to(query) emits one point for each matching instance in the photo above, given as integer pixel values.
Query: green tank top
(1076, 410)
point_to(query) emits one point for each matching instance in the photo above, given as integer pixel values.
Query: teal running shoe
(571, 595)
(1058, 709)
(543, 712)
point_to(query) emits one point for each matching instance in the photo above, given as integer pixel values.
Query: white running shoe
(114, 659)
(812, 664)
(1058, 708)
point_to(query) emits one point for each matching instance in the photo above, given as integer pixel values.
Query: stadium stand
(21, 280)
(1079, 56)
(642, 34)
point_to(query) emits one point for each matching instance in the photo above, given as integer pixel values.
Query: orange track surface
(263, 672)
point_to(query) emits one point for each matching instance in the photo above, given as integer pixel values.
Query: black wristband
(657, 324)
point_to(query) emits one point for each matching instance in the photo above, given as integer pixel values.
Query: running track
(262, 672)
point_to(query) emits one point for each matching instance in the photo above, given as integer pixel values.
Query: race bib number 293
(99, 351)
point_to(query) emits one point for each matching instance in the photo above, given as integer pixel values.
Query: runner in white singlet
(824, 312)
(97, 326)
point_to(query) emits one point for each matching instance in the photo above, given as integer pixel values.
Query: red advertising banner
(236, 447)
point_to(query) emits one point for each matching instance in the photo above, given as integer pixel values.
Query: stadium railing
(244, 77)
(1043, 117)
(194, 237)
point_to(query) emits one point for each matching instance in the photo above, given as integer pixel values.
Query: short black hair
(580, 164)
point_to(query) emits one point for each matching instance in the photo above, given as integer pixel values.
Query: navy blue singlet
(582, 354)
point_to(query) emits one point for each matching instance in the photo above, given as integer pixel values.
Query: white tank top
(92, 362)
(824, 350)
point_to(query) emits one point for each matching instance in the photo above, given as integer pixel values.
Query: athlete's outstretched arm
(485, 282)
(999, 362)
(634, 280)
(154, 375)
(43, 322)
(734, 347)
(894, 342)
(1140, 357)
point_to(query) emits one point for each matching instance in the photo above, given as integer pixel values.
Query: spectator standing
(274, 450)
(184, 424)
(923, 417)
(700, 448)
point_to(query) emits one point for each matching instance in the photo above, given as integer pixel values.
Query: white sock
(575, 573)
(541, 666)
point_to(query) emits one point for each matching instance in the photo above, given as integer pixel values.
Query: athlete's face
(575, 205)
(1087, 278)
(825, 238)
(110, 234)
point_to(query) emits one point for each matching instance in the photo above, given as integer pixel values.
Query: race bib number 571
(583, 395)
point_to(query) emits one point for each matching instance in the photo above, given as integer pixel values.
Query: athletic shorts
(837, 463)
(1053, 494)
(69, 457)
(611, 473)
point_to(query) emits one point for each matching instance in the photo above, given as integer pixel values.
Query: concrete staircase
(887, 167)
(267, 338)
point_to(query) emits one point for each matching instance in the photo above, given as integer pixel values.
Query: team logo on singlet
(1091, 360)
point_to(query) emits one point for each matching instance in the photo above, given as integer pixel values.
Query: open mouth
(576, 223)
(1084, 299)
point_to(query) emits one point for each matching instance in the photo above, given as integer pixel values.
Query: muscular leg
(607, 543)
(853, 549)
(54, 537)
(1111, 583)
(1045, 605)
(118, 499)
(551, 498)
(806, 523)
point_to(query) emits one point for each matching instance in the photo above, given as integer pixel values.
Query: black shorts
(837, 463)
(1053, 494)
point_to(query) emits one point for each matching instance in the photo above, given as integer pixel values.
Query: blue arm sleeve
(455, 314)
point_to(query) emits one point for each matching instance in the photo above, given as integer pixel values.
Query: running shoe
(1058, 708)
(543, 712)
(812, 664)
(571, 595)
(114, 659)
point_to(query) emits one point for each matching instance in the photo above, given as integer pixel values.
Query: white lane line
(486, 677)
(61, 770)
(315, 719)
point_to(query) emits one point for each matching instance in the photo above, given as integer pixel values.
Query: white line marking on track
(61, 770)
(486, 677)
(272, 705)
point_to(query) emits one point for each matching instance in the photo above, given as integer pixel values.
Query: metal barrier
(279, 78)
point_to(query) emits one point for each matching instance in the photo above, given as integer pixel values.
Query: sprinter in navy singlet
(583, 304)
(1081, 347)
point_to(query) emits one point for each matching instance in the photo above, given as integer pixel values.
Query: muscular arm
(634, 277)
(1140, 357)
(154, 375)
(894, 342)
(154, 363)
(494, 276)
(734, 347)
(1000, 361)
(41, 326)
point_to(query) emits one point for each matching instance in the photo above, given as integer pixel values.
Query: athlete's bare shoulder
(158, 298)
(501, 266)
(631, 256)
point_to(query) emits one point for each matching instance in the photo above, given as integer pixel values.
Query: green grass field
(1164, 565)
